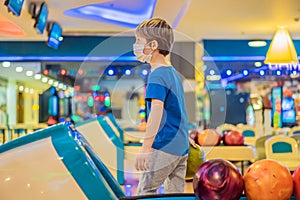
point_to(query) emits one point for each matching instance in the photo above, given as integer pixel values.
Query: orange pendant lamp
(282, 49)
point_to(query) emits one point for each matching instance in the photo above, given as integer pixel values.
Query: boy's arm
(155, 115)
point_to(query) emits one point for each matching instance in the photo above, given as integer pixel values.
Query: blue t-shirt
(165, 84)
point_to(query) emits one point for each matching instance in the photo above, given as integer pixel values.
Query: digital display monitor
(287, 104)
(41, 18)
(15, 6)
(276, 96)
(288, 110)
(54, 36)
(289, 116)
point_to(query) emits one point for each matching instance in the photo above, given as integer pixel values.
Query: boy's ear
(154, 45)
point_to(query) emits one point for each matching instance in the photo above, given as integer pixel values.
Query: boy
(164, 151)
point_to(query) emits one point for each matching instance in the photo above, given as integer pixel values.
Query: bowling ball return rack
(185, 196)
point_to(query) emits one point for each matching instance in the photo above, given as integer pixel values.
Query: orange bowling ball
(296, 177)
(209, 137)
(268, 179)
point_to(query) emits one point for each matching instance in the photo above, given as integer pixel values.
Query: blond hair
(159, 30)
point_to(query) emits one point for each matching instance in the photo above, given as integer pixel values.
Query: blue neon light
(70, 58)
(232, 58)
(265, 67)
(234, 77)
(120, 12)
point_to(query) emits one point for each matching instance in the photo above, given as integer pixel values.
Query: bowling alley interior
(74, 113)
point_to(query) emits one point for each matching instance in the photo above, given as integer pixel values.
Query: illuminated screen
(288, 111)
(289, 116)
(276, 107)
(41, 19)
(15, 6)
(287, 104)
(54, 36)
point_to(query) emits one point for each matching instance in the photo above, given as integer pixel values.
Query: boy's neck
(158, 60)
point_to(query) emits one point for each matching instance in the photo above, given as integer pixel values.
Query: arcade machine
(236, 104)
(53, 107)
(64, 102)
(214, 109)
(255, 112)
(91, 104)
(250, 115)
(276, 98)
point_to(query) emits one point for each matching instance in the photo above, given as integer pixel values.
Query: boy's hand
(142, 160)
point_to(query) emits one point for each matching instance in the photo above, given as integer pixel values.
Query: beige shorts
(165, 169)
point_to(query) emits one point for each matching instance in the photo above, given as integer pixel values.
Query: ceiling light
(282, 49)
(257, 64)
(228, 72)
(111, 72)
(6, 64)
(278, 73)
(29, 73)
(50, 81)
(26, 90)
(37, 76)
(144, 72)
(31, 91)
(257, 43)
(19, 69)
(21, 87)
(245, 72)
(127, 72)
(44, 79)
(55, 84)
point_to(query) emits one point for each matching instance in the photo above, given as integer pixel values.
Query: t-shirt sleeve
(156, 89)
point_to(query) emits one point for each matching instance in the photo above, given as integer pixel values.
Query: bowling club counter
(231, 153)
(174, 197)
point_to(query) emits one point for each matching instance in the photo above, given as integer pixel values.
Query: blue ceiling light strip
(119, 12)
(234, 77)
(70, 58)
(232, 58)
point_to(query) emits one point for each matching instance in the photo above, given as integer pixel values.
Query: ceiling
(214, 19)
(202, 19)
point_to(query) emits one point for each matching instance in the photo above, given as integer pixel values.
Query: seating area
(282, 144)
(284, 149)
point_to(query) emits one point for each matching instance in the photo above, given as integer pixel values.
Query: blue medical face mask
(138, 50)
